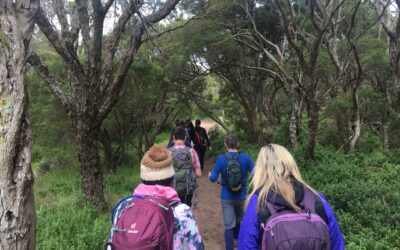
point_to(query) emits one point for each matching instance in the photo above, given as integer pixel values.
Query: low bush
(65, 220)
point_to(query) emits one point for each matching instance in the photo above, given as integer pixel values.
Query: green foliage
(362, 190)
(369, 142)
(50, 128)
(65, 220)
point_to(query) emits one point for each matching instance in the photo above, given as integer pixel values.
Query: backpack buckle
(308, 211)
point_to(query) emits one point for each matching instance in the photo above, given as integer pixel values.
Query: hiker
(233, 166)
(279, 192)
(190, 129)
(145, 230)
(201, 142)
(179, 124)
(186, 165)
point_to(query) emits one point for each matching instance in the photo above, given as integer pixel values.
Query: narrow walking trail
(208, 210)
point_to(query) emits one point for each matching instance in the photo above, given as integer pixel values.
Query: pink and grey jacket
(186, 231)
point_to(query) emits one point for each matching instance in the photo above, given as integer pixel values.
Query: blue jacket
(249, 235)
(246, 164)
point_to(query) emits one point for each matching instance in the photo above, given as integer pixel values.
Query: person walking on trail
(201, 142)
(280, 193)
(233, 166)
(186, 165)
(136, 220)
(190, 129)
(179, 124)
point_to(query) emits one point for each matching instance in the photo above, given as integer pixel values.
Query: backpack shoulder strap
(308, 200)
(228, 156)
(236, 156)
(271, 208)
(172, 149)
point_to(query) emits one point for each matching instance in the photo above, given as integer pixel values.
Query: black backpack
(234, 173)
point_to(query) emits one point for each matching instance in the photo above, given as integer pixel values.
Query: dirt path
(208, 211)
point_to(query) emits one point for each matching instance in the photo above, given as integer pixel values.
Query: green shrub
(65, 220)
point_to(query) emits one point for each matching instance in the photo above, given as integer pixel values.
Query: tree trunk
(255, 130)
(89, 160)
(294, 121)
(105, 140)
(17, 207)
(385, 137)
(313, 116)
(356, 127)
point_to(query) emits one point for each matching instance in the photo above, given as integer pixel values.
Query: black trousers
(187, 199)
(201, 152)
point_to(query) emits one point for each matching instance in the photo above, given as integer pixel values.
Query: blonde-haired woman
(278, 186)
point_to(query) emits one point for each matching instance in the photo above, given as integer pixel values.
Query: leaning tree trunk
(17, 207)
(313, 116)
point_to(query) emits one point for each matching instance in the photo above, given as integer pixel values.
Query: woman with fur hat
(157, 175)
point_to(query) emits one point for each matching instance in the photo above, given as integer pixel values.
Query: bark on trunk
(255, 130)
(17, 208)
(294, 121)
(105, 140)
(91, 173)
(313, 117)
(356, 127)
(385, 137)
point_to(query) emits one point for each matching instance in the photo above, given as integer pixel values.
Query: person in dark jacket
(190, 129)
(201, 144)
(277, 180)
(179, 124)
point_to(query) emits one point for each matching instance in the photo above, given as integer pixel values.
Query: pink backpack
(145, 223)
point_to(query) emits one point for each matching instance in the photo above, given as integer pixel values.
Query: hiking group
(281, 211)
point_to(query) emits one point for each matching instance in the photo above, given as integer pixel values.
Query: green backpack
(185, 179)
(234, 173)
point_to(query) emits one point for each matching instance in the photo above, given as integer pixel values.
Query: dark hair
(179, 133)
(166, 182)
(231, 141)
(189, 124)
(181, 124)
(198, 122)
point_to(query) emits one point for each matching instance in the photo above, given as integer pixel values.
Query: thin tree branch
(128, 55)
(54, 86)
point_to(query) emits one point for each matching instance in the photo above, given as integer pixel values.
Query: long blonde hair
(275, 169)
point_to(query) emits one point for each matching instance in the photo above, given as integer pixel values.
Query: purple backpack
(145, 223)
(286, 229)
